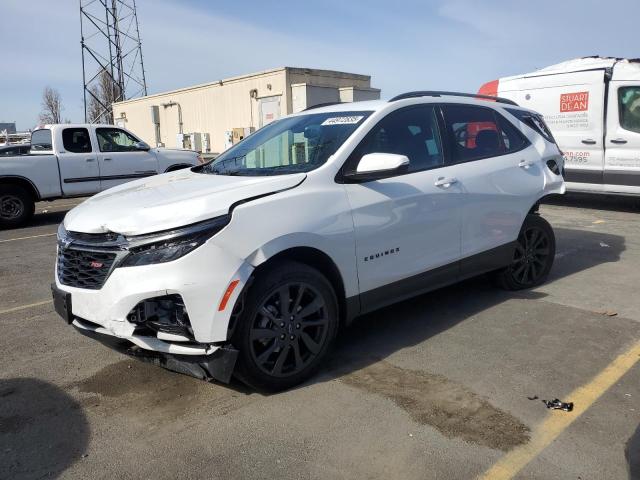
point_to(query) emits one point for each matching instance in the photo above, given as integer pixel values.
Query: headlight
(170, 245)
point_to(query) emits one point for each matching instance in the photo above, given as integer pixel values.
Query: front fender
(346, 266)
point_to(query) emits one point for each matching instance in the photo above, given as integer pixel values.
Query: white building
(209, 117)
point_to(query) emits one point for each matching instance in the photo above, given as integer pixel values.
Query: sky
(404, 45)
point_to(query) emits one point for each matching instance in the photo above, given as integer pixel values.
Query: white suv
(250, 264)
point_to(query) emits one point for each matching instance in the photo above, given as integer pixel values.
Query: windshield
(291, 145)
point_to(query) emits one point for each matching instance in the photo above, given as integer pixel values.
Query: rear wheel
(16, 206)
(532, 257)
(286, 328)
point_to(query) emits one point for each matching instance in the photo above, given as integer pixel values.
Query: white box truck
(592, 107)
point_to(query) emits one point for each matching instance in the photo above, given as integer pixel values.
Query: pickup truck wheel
(532, 257)
(16, 206)
(287, 327)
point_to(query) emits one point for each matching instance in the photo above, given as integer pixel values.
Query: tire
(532, 257)
(16, 206)
(279, 348)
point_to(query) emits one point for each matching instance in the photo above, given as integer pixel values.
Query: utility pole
(112, 65)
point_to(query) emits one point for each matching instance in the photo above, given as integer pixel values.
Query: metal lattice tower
(112, 65)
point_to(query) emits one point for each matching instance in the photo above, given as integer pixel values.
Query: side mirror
(142, 146)
(375, 166)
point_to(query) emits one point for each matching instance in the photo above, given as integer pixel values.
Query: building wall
(10, 127)
(219, 107)
(212, 108)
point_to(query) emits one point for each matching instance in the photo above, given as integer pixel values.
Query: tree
(51, 106)
(101, 98)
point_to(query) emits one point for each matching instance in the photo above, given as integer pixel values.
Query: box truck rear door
(573, 106)
(622, 155)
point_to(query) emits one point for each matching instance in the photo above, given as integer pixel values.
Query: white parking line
(23, 307)
(66, 205)
(26, 238)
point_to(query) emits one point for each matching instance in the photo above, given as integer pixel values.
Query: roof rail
(430, 93)
(320, 105)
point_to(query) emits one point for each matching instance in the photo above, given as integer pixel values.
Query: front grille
(96, 238)
(84, 268)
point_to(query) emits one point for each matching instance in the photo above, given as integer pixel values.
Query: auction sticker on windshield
(342, 120)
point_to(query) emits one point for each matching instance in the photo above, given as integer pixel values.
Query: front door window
(115, 140)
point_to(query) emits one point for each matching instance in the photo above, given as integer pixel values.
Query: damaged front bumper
(206, 362)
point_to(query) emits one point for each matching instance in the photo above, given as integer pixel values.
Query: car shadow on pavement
(614, 203)
(375, 336)
(48, 218)
(43, 430)
(632, 454)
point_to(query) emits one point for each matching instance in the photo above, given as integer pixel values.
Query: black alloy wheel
(289, 329)
(533, 255)
(286, 328)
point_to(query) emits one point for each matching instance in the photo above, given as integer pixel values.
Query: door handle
(106, 159)
(588, 141)
(445, 182)
(525, 164)
(91, 159)
(618, 140)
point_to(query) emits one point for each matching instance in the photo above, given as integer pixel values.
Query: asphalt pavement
(446, 385)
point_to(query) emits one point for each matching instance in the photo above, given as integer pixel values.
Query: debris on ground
(556, 404)
(602, 244)
(608, 313)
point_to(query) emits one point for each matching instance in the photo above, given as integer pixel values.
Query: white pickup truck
(78, 160)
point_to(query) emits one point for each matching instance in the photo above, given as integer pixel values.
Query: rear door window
(513, 138)
(475, 133)
(41, 140)
(76, 140)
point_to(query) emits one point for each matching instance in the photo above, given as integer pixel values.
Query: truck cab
(78, 160)
(592, 107)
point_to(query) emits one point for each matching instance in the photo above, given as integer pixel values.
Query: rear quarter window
(41, 140)
(533, 120)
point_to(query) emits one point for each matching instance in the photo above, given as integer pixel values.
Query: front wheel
(286, 328)
(16, 206)
(532, 257)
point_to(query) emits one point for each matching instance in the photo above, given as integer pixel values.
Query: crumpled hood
(170, 200)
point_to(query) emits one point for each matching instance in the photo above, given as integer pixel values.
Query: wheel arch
(321, 261)
(21, 182)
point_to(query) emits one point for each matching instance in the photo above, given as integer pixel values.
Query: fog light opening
(165, 314)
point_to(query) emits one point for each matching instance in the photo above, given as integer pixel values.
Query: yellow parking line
(557, 421)
(23, 307)
(26, 238)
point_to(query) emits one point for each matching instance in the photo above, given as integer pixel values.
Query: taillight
(552, 164)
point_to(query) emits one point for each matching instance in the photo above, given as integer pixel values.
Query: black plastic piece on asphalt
(556, 404)
(217, 366)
